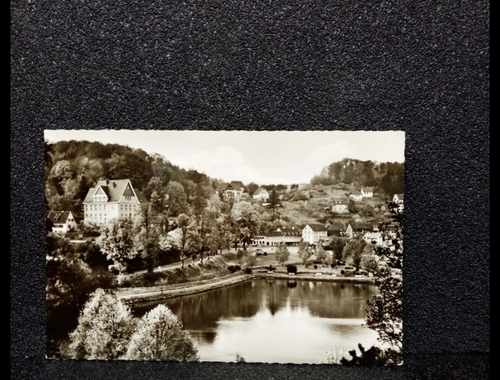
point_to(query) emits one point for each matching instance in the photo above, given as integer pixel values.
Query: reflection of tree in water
(201, 312)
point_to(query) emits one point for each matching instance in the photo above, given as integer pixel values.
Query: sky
(263, 157)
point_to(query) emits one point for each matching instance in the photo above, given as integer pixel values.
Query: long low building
(287, 235)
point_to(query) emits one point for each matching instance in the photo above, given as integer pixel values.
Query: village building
(367, 192)
(110, 200)
(355, 229)
(313, 233)
(356, 197)
(373, 238)
(261, 194)
(233, 190)
(62, 221)
(340, 205)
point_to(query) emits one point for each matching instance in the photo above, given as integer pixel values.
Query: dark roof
(238, 185)
(140, 196)
(338, 226)
(222, 186)
(361, 226)
(340, 200)
(114, 189)
(290, 231)
(316, 227)
(259, 190)
(357, 193)
(274, 233)
(58, 216)
(367, 189)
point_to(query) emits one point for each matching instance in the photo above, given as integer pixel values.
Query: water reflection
(284, 321)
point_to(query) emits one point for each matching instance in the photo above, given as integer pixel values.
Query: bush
(291, 268)
(315, 267)
(265, 253)
(233, 268)
(247, 270)
(342, 272)
(270, 267)
(332, 265)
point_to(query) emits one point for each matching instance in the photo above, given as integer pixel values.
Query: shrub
(265, 253)
(332, 265)
(247, 270)
(233, 268)
(291, 269)
(315, 267)
(342, 272)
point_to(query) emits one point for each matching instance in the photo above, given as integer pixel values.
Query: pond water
(275, 321)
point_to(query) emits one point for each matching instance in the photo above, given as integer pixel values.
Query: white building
(367, 192)
(110, 200)
(312, 233)
(261, 194)
(62, 221)
(340, 205)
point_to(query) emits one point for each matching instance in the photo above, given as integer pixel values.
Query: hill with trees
(73, 167)
(386, 176)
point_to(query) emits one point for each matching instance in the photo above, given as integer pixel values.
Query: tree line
(386, 176)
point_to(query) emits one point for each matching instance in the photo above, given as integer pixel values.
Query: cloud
(223, 162)
(337, 151)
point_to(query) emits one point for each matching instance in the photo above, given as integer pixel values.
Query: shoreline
(156, 293)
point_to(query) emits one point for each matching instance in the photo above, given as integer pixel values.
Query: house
(233, 190)
(367, 192)
(353, 229)
(356, 197)
(112, 199)
(337, 229)
(374, 238)
(313, 233)
(286, 235)
(261, 194)
(291, 235)
(340, 205)
(62, 221)
(398, 198)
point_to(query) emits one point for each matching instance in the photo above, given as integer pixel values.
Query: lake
(275, 321)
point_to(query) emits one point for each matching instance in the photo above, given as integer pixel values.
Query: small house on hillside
(261, 194)
(398, 198)
(234, 190)
(356, 197)
(62, 221)
(340, 205)
(367, 192)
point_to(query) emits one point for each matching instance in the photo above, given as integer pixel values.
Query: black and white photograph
(221, 189)
(225, 246)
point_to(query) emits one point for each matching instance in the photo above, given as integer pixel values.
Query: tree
(273, 203)
(181, 237)
(320, 254)
(385, 310)
(177, 199)
(304, 253)
(69, 282)
(247, 222)
(338, 247)
(104, 328)
(147, 236)
(252, 187)
(159, 336)
(117, 243)
(282, 253)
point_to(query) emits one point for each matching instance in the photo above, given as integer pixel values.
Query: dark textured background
(422, 67)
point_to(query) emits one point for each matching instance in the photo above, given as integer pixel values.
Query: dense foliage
(386, 176)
